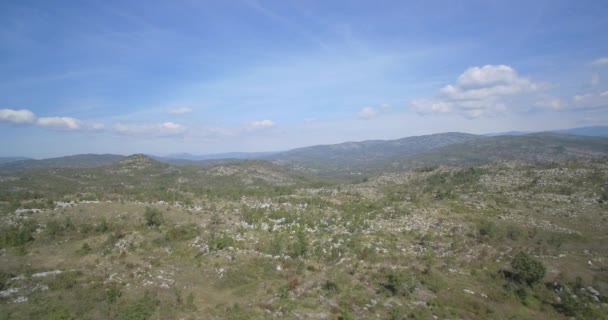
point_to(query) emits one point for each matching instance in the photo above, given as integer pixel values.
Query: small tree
(527, 268)
(153, 217)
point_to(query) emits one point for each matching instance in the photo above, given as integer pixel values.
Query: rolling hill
(536, 147)
(75, 161)
(371, 155)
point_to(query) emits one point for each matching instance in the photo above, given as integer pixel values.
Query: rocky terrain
(144, 240)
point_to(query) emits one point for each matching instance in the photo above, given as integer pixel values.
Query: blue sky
(242, 75)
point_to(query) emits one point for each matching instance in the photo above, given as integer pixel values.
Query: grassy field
(256, 242)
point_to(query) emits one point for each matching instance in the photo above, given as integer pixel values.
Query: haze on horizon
(209, 77)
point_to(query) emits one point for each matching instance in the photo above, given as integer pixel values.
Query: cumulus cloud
(22, 116)
(179, 110)
(149, 130)
(600, 62)
(263, 124)
(478, 91)
(61, 123)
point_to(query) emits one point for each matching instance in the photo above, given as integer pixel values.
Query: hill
(536, 147)
(141, 177)
(12, 159)
(366, 156)
(139, 239)
(598, 131)
(75, 161)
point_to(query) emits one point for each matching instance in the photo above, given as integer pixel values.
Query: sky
(163, 77)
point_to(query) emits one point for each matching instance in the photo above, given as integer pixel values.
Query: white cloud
(595, 79)
(97, 126)
(179, 110)
(172, 126)
(590, 101)
(263, 124)
(149, 130)
(603, 61)
(478, 91)
(551, 103)
(424, 106)
(21, 116)
(62, 123)
(367, 113)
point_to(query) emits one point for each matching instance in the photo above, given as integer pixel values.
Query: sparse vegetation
(528, 269)
(413, 244)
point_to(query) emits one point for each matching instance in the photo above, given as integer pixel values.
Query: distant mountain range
(75, 161)
(597, 131)
(370, 155)
(215, 156)
(376, 156)
(12, 159)
(535, 147)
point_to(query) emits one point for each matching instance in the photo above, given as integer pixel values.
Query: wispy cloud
(260, 124)
(61, 123)
(600, 62)
(164, 129)
(590, 101)
(179, 111)
(367, 113)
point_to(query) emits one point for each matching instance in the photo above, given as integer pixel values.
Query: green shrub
(103, 226)
(488, 229)
(220, 242)
(113, 293)
(181, 233)
(514, 232)
(17, 235)
(140, 309)
(396, 284)
(528, 269)
(85, 249)
(153, 217)
(300, 246)
(330, 287)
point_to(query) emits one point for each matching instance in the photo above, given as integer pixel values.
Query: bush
(300, 246)
(17, 235)
(140, 309)
(181, 233)
(220, 242)
(153, 217)
(528, 269)
(113, 293)
(397, 284)
(488, 229)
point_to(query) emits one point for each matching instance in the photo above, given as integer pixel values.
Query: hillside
(598, 131)
(367, 156)
(373, 157)
(141, 239)
(75, 161)
(12, 159)
(141, 177)
(535, 147)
